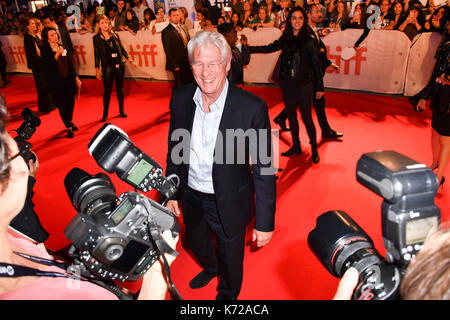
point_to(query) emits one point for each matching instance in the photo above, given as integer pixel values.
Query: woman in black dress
(61, 77)
(299, 76)
(438, 90)
(110, 57)
(33, 46)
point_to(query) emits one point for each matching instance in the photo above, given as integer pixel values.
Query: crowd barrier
(387, 62)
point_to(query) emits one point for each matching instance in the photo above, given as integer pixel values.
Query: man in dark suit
(63, 33)
(221, 127)
(314, 18)
(175, 38)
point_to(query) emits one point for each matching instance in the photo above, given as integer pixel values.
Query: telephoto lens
(89, 194)
(339, 243)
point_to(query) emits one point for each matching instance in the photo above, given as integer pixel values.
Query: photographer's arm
(154, 284)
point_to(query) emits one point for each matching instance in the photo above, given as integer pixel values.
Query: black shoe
(73, 126)
(315, 155)
(331, 134)
(70, 133)
(105, 118)
(123, 114)
(281, 123)
(441, 183)
(293, 150)
(202, 279)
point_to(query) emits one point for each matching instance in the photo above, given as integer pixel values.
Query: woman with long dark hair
(438, 90)
(299, 76)
(131, 22)
(61, 77)
(33, 46)
(110, 57)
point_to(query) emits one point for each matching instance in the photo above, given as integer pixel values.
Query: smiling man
(218, 199)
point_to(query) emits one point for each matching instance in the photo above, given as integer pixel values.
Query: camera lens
(89, 193)
(339, 243)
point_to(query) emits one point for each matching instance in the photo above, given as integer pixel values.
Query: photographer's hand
(154, 284)
(347, 284)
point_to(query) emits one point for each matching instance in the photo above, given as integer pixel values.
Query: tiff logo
(358, 59)
(142, 55)
(18, 55)
(79, 56)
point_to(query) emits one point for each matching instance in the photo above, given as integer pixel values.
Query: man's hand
(319, 94)
(261, 238)
(421, 105)
(172, 205)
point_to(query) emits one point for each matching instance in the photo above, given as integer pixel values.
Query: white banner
(261, 65)
(378, 66)
(421, 62)
(384, 64)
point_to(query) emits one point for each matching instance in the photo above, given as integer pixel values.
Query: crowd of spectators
(409, 16)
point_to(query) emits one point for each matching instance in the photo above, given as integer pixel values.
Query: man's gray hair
(204, 38)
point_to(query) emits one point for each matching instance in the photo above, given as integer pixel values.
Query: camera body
(119, 238)
(408, 215)
(114, 237)
(24, 133)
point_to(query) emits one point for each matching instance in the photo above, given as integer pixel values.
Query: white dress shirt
(203, 141)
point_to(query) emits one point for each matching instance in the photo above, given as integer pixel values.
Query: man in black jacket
(240, 58)
(63, 33)
(218, 186)
(175, 38)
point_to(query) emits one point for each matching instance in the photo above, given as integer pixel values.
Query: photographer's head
(13, 172)
(428, 275)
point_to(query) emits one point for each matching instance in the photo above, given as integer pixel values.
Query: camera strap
(14, 271)
(163, 247)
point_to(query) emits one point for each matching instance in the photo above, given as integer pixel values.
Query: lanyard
(14, 271)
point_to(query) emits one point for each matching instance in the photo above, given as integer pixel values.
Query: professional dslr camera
(119, 238)
(408, 214)
(24, 133)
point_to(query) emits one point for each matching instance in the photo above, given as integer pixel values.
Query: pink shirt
(49, 288)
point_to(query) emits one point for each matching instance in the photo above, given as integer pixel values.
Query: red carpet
(286, 268)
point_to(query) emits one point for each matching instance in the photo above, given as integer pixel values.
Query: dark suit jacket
(321, 52)
(30, 42)
(235, 185)
(176, 52)
(66, 40)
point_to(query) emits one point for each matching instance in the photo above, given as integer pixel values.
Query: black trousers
(45, 100)
(65, 101)
(214, 250)
(111, 75)
(319, 106)
(297, 96)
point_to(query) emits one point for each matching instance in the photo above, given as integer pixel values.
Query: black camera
(24, 133)
(115, 152)
(114, 235)
(118, 238)
(408, 215)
